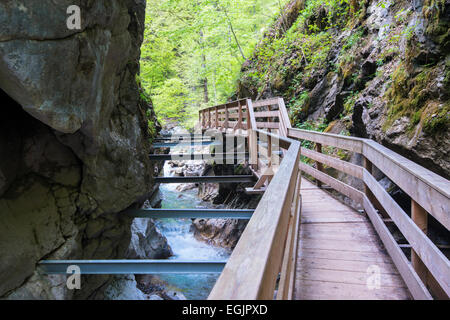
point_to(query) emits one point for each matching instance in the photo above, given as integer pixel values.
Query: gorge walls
(376, 69)
(74, 139)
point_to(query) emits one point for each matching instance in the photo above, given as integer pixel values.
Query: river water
(183, 243)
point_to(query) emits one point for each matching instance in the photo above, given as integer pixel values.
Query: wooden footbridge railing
(269, 241)
(430, 194)
(266, 261)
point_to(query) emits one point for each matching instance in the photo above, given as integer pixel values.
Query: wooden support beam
(420, 217)
(328, 139)
(209, 118)
(368, 166)
(227, 117)
(343, 166)
(436, 262)
(337, 185)
(205, 179)
(412, 280)
(265, 177)
(217, 118)
(319, 165)
(428, 189)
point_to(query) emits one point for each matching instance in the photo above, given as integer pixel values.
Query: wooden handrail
(430, 190)
(328, 139)
(267, 248)
(251, 272)
(425, 188)
(253, 268)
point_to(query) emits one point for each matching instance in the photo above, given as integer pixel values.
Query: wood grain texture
(436, 262)
(428, 189)
(343, 166)
(253, 267)
(337, 248)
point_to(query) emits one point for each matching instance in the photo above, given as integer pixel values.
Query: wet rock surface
(75, 134)
(224, 232)
(385, 74)
(147, 242)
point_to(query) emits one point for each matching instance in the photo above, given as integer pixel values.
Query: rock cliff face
(374, 69)
(74, 139)
(224, 232)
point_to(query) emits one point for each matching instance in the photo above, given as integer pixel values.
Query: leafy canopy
(193, 51)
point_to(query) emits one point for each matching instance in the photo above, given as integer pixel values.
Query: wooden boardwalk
(337, 245)
(321, 249)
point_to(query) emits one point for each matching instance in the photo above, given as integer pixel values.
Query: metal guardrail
(237, 156)
(186, 143)
(132, 266)
(205, 179)
(243, 214)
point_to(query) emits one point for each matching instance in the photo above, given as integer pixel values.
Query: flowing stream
(183, 243)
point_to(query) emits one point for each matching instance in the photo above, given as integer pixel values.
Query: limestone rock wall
(74, 139)
(379, 69)
(224, 232)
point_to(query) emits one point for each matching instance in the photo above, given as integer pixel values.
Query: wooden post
(368, 166)
(217, 117)
(420, 218)
(226, 118)
(209, 118)
(252, 137)
(318, 164)
(239, 124)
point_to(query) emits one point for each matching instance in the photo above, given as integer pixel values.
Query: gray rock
(175, 295)
(147, 242)
(75, 137)
(219, 232)
(123, 287)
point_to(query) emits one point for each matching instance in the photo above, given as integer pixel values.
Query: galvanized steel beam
(203, 179)
(132, 266)
(243, 214)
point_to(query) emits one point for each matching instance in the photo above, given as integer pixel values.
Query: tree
(193, 50)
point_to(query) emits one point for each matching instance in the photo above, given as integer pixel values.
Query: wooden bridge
(300, 241)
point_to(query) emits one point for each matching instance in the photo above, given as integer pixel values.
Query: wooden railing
(267, 247)
(429, 268)
(233, 115)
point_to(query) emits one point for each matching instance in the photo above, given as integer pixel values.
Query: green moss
(298, 106)
(437, 119)
(416, 117)
(407, 96)
(151, 128)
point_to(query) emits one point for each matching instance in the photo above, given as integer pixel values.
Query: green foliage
(289, 62)
(193, 51)
(319, 125)
(438, 121)
(349, 102)
(170, 100)
(298, 105)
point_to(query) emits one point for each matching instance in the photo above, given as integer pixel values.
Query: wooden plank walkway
(338, 248)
